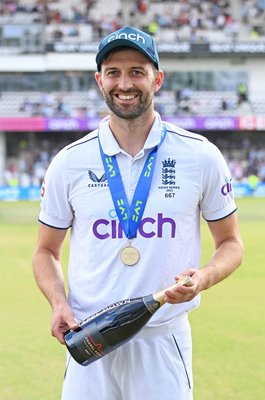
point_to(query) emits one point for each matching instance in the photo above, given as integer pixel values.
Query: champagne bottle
(110, 328)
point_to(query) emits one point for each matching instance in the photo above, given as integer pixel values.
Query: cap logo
(130, 36)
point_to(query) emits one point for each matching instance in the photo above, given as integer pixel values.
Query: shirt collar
(111, 147)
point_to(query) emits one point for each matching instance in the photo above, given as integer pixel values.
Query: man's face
(128, 82)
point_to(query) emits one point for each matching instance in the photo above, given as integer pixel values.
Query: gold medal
(129, 255)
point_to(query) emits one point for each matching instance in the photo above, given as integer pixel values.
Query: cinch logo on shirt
(149, 227)
(227, 187)
(130, 36)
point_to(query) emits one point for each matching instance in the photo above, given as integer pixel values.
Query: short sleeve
(217, 199)
(56, 210)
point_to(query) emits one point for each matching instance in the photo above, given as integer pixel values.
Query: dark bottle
(110, 328)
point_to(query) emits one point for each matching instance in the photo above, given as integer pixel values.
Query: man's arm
(227, 257)
(49, 277)
(228, 253)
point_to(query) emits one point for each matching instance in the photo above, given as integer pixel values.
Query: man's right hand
(62, 321)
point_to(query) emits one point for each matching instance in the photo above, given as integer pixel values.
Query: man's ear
(159, 79)
(98, 79)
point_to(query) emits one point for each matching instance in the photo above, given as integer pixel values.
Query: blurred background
(212, 51)
(213, 55)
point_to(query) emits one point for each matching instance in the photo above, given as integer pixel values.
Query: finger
(179, 294)
(72, 324)
(186, 274)
(60, 338)
(58, 334)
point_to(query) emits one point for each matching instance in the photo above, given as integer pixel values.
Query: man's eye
(137, 72)
(111, 73)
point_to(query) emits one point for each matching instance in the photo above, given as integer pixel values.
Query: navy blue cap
(128, 37)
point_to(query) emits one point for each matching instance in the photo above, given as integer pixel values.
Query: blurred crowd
(63, 104)
(169, 103)
(253, 15)
(196, 21)
(169, 21)
(182, 20)
(30, 159)
(46, 105)
(246, 160)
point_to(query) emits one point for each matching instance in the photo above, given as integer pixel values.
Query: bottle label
(91, 343)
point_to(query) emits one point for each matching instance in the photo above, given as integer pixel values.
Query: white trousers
(156, 364)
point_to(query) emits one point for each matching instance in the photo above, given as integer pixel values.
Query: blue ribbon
(130, 216)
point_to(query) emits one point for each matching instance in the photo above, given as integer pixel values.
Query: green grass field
(228, 328)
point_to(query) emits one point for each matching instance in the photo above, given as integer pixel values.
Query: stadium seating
(80, 104)
(30, 26)
(195, 21)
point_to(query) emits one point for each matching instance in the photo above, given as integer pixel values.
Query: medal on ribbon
(130, 216)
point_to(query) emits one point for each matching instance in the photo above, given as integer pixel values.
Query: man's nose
(125, 82)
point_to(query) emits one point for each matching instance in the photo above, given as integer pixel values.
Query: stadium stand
(194, 20)
(29, 158)
(212, 51)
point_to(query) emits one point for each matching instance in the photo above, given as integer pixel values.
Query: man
(132, 192)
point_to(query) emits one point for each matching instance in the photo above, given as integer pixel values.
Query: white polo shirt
(190, 177)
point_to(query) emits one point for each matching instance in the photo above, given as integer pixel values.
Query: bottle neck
(160, 296)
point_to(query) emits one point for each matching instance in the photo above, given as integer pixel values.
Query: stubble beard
(128, 112)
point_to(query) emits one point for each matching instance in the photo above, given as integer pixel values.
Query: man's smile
(126, 96)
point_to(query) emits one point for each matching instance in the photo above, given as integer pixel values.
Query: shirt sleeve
(56, 210)
(217, 199)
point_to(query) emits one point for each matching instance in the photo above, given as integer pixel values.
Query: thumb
(72, 323)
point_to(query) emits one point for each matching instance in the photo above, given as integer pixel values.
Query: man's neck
(131, 134)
